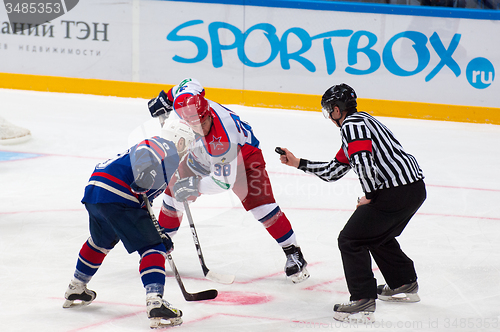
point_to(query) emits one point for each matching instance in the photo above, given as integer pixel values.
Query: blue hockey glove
(160, 105)
(144, 180)
(186, 189)
(167, 240)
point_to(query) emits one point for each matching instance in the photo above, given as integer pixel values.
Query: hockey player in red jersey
(225, 156)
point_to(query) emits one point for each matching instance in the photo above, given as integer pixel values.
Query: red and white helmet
(195, 109)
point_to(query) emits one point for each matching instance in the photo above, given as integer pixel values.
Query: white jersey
(217, 156)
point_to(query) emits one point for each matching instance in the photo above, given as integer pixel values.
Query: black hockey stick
(210, 275)
(201, 296)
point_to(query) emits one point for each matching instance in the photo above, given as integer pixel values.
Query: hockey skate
(295, 267)
(405, 293)
(160, 313)
(78, 295)
(360, 311)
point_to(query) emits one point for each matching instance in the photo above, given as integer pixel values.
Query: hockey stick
(201, 296)
(210, 275)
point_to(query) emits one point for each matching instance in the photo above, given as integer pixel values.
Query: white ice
(454, 239)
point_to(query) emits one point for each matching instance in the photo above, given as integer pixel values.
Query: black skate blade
(201, 296)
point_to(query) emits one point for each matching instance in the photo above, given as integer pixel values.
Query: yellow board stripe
(80, 85)
(294, 101)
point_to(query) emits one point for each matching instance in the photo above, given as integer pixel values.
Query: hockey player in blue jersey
(113, 199)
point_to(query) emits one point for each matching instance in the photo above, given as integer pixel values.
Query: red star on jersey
(216, 142)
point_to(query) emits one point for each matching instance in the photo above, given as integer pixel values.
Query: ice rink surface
(454, 239)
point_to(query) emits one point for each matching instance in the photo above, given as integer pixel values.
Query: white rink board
(427, 59)
(91, 41)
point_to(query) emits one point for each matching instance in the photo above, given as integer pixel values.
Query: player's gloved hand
(167, 240)
(160, 105)
(186, 189)
(144, 180)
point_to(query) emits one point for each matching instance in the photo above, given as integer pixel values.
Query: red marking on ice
(319, 286)
(106, 321)
(240, 208)
(240, 298)
(356, 179)
(235, 316)
(322, 286)
(260, 278)
(281, 273)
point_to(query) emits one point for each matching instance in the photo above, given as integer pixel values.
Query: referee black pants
(372, 229)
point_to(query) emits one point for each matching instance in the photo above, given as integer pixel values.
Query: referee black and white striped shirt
(372, 151)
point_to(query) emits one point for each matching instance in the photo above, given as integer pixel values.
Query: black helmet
(341, 95)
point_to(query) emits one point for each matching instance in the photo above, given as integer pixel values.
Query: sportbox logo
(29, 13)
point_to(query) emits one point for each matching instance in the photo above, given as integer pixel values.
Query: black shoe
(161, 313)
(360, 311)
(405, 293)
(78, 291)
(295, 266)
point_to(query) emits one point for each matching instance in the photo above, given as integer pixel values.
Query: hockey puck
(280, 151)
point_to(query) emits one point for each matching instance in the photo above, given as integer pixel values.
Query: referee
(392, 182)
